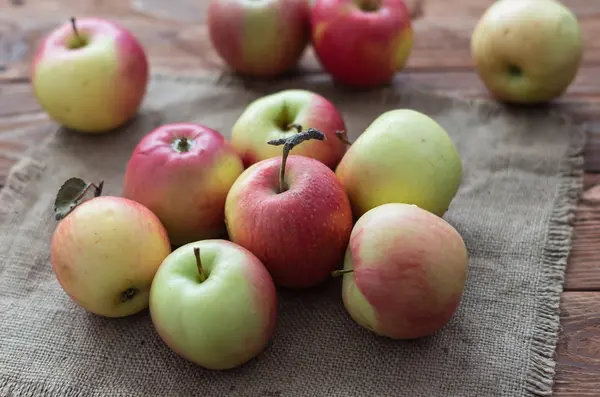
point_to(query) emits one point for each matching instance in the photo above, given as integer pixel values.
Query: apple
(106, 250)
(404, 272)
(90, 75)
(404, 156)
(293, 214)
(182, 172)
(259, 38)
(213, 303)
(527, 51)
(281, 115)
(361, 43)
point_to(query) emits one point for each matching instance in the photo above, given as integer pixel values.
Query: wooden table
(175, 37)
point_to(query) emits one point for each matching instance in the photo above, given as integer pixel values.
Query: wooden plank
(175, 36)
(578, 351)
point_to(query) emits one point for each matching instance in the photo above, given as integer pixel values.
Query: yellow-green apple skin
(527, 51)
(407, 272)
(105, 254)
(92, 87)
(182, 172)
(259, 38)
(220, 322)
(404, 156)
(270, 117)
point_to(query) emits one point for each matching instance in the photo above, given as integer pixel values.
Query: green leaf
(69, 194)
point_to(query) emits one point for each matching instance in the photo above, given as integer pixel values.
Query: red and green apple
(90, 75)
(182, 172)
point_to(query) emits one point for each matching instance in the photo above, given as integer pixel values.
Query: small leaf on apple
(69, 194)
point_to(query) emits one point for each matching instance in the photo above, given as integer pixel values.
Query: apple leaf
(69, 194)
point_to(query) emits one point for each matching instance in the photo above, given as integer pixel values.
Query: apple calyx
(337, 273)
(368, 5)
(70, 194)
(182, 145)
(79, 40)
(342, 137)
(129, 294)
(289, 144)
(201, 274)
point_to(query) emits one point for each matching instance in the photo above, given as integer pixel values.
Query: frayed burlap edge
(539, 379)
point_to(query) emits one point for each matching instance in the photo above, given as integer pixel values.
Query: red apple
(404, 272)
(280, 115)
(361, 43)
(183, 172)
(260, 38)
(90, 75)
(293, 214)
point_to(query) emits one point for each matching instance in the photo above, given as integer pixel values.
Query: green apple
(404, 272)
(527, 51)
(214, 303)
(404, 156)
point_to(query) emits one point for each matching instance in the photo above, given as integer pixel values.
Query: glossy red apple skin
(259, 38)
(300, 235)
(361, 48)
(95, 88)
(185, 189)
(260, 123)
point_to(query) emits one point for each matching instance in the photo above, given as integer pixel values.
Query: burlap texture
(522, 177)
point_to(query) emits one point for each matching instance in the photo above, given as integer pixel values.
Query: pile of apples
(207, 229)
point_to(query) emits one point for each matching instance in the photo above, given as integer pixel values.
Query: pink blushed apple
(90, 75)
(361, 43)
(183, 172)
(280, 115)
(259, 38)
(213, 303)
(105, 254)
(293, 214)
(404, 271)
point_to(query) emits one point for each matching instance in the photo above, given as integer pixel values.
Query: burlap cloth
(522, 176)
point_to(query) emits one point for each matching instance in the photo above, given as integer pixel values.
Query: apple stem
(296, 126)
(97, 190)
(199, 264)
(289, 144)
(342, 137)
(337, 273)
(81, 42)
(182, 144)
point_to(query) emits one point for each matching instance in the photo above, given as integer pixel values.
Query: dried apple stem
(199, 264)
(342, 137)
(97, 190)
(289, 144)
(337, 273)
(298, 127)
(79, 38)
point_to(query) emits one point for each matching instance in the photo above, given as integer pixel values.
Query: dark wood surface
(175, 37)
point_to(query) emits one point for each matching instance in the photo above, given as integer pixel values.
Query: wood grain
(578, 351)
(175, 37)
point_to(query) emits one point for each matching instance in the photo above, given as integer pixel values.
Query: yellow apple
(527, 51)
(404, 156)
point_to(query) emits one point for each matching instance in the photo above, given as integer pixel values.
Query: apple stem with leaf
(70, 193)
(76, 32)
(342, 137)
(289, 144)
(201, 273)
(337, 273)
